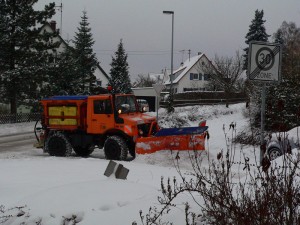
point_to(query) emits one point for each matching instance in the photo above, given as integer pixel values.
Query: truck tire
(115, 148)
(84, 151)
(132, 152)
(58, 145)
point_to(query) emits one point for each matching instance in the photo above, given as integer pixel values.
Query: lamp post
(172, 49)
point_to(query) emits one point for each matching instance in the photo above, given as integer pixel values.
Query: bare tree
(226, 72)
(288, 35)
(144, 81)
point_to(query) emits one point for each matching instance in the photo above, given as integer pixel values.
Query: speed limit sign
(264, 61)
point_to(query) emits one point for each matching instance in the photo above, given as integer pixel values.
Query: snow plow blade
(182, 139)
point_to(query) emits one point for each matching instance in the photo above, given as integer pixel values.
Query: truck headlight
(141, 132)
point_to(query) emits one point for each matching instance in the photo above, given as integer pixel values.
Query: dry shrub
(250, 195)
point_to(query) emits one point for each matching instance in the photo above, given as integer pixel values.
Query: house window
(200, 76)
(194, 76)
(191, 89)
(206, 76)
(99, 83)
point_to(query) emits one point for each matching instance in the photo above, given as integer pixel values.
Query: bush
(226, 194)
(173, 120)
(193, 114)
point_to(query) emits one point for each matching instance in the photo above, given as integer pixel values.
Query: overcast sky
(208, 26)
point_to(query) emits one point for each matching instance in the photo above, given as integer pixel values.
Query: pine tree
(86, 58)
(257, 32)
(70, 83)
(120, 79)
(23, 50)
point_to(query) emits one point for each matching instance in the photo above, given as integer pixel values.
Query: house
(102, 78)
(192, 75)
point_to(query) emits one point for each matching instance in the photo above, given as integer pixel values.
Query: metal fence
(193, 102)
(19, 117)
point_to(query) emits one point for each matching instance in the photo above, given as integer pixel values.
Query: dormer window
(194, 76)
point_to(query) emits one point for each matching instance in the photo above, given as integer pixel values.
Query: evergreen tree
(70, 82)
(23, 54)
(278, 37)
(283, 100)
(257, 32)
(86, 58)
(120, 79)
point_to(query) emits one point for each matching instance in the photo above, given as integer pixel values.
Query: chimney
(53, 25)
(199, 53)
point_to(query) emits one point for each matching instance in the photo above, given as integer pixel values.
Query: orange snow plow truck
(109, 121)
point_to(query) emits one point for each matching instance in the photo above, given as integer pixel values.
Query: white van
(143, 105)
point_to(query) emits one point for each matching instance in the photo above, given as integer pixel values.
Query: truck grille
(145, 128)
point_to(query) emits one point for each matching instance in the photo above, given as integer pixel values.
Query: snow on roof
(185, 67)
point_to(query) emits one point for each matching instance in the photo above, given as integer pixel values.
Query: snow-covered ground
(50, 190)
(7, 129)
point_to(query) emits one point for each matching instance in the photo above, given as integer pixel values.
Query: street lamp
(172, 47)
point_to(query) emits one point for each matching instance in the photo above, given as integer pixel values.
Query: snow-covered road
(52, 188)
(19, 142)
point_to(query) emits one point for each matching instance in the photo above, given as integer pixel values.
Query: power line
(136, 52)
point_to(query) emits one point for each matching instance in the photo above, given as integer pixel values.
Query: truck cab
(106, 113)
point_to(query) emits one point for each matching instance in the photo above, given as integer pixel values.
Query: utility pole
(60, 7)
(170, 102)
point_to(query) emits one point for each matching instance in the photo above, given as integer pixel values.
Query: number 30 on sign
(264, 61)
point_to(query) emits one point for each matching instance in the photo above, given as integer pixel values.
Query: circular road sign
(264, 58)
(264, 61)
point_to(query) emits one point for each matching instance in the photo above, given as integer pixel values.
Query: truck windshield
(126, 104)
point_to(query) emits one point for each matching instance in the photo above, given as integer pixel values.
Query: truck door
(101, 115)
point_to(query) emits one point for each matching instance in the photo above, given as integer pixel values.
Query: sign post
(158, 88)
(264, 65)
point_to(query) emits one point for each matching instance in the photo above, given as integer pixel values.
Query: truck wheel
(58, 145)
(84, 151)
(132, 151)
(115, 148)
